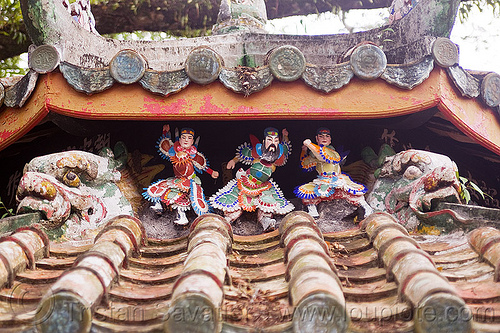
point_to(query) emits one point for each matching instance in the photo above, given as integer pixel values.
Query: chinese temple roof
(377, 276)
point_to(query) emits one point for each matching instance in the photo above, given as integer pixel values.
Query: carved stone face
(74, 188)
(412, 183)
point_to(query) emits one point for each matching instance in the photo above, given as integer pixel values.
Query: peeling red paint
(329, 111)
(5, 135)
(10, 119)
(209, 107)
(418, 102)
(154, 106)
(87, 111)
(244, 109)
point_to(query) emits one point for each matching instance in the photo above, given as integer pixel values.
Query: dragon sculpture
(76, 191)
(410, 185)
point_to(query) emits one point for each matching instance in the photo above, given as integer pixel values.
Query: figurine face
(270, 152)
(324, 139)
(271, 142)
(186, 141)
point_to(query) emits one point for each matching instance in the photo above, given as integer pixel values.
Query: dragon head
(74, 190)
(411, 184)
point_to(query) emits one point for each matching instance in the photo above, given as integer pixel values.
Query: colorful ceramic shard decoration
(254, 189)
(411, 183)
(184, 190)
(75, 191)
(331, 183)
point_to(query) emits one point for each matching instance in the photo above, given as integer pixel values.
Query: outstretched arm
(285, 135)
(166, 129)
(323, 153)
(165, 142)
(231, 163)
(212, 173)
(313, 148)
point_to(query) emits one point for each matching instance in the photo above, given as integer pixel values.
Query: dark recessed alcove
(426, 130)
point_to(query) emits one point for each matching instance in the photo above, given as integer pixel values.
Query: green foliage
(466, 185)
(4, 211)
(377, 160)
(11, 20)
(12, 67)
(142, 35)
(466, 7)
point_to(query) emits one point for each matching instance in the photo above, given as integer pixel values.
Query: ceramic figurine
(254, 189)
(399, 9)
(184, 190)
(331, 182)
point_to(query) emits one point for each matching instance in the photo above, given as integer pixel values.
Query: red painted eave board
(15, 122)
(294, 100)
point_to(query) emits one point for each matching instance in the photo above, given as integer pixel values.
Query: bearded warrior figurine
(254, 188)
(184, 190)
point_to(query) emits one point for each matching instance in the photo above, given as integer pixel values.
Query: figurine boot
(368, 209)
(268, 223)
(232, 216)
(157, 208)
(181, 218)
(313, 211)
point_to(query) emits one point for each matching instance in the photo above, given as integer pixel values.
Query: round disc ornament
(368, 62)
(203, 65)
(287, 63)
(43, 59)
(127, 66)
(490, 90)
(63, 312)
(2, 93)
(445, 52)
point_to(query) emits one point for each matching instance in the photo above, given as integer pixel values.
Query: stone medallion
(43, 59)
(490, 90)
(445, 52)
(127, 66)
(203, 65)
(2, 93)
(287, 63)
(368, 62)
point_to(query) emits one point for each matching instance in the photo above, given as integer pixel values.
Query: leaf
(477, 189)
(466, 195)
(463, 180)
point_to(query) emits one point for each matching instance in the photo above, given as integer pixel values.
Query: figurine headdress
(271, 131)
(323, 130)
(187, 130)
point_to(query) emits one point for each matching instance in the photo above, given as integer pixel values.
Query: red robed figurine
(184, 190)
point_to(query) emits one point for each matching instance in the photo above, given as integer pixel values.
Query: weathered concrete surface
(48, 22)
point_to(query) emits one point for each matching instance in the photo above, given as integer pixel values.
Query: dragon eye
(71, 179)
